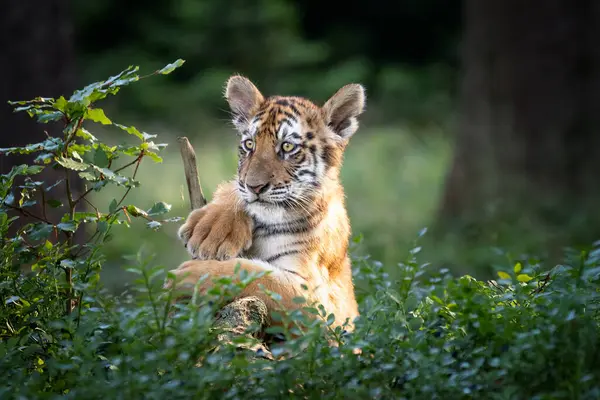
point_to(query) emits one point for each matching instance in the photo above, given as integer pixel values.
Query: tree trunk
(36, 41)
(526, 156)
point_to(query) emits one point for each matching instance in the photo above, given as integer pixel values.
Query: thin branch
(127, 165)
(43, 203)
(137, 166)
(83, 195)
(197, 199)
(28, 214)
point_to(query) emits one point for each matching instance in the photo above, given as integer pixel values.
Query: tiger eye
(287, 147)
(249, 144)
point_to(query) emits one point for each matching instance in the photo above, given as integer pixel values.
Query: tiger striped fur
(285, 211)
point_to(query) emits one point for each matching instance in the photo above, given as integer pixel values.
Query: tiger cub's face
(288, 145)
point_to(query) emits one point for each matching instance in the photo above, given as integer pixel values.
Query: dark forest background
(481, 125)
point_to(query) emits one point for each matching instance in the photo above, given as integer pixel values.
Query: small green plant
(64, 253)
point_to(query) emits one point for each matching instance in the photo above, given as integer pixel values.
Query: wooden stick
(188, 155)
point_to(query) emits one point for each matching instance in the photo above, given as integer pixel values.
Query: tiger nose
(258, 189)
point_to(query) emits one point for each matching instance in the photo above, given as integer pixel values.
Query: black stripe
(289, 115)
(303, 172)
(295, 273)
(285, 253)
(301, 242)
(282, 102)
(294, 109)
(328, 155)
(295, 135)
(301, 225)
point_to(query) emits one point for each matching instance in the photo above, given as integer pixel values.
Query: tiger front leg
(220, 230)
(287, 285)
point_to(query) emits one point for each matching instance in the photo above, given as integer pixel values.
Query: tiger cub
(284, 212)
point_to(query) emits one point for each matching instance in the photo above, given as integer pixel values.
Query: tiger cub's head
(289, 147)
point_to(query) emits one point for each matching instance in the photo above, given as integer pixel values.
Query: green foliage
(422, 333)
(60, 250)
(419, 337)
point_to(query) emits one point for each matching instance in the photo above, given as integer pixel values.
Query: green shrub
(532, 334)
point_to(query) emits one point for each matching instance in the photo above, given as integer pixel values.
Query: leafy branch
(78, 154)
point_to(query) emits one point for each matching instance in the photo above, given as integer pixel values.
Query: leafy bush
(532, 334)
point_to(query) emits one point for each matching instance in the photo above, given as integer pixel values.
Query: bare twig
(192, 178)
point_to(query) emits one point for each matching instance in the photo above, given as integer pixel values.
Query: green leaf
(48, 145)
(299, 300)
(311, 310)
(49, 188)
(116, 178)
(274, 330)
(154, 225)
(415, 323)
(69, 226)
(524, 278)
(88, 176)
(134, 271)
(503, 275)
(113, 206)
(61, 103)
(71, 164)
(330, 319)
(85, 217)
(68, 264)
(411, 303)
(44, 158)
(517, 268)
(159, 209)
(12, 299)
(132, 130)
(154, 157)
(136, 212)
(97, 115)
(101, 158)
(86, 135)
(75, 155)
(54, 203)
(46, 117)
(40, 230)
(171, 67)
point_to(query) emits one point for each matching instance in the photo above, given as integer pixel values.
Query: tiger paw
(216, 232)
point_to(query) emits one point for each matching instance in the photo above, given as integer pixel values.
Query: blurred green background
(481, 119)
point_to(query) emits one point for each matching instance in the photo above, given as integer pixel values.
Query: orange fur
(285, 212)
(220, 230)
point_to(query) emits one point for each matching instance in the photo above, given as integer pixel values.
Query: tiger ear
(243, 98)
(343, 108)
